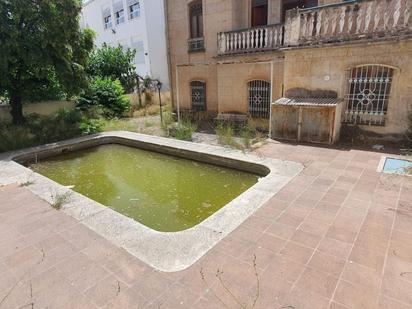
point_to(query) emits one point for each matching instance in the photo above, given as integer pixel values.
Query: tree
(40, 38)
(115, 63)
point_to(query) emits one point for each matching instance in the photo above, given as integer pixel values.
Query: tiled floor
(338, 236)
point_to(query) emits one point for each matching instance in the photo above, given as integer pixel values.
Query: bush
(105, 94)
(225, 133)
(39, 130)
(182, 131)
(248, 133)
(115, 63)
(91, 126)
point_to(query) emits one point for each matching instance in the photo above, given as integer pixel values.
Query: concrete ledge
(164, 251)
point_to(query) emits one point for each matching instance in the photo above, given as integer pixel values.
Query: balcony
(335, 23)
(251, 40)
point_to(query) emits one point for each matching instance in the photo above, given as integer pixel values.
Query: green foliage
(91, 126)
(225, 134)
(39, 39)
(50, 89)
(229, 136)
(113, 62)
(39, 130)
(105, 94)
(248, 133)
(182, 131)
(59, 199)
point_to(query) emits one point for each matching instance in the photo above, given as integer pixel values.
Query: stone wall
(326, 67)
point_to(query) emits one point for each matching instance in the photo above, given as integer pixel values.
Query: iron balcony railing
(340, 22)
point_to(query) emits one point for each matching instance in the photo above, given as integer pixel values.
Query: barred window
(198, 94)
(368, 93)
(259, 98)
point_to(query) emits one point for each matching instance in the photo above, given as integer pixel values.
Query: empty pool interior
(164, 192)
(398, 166)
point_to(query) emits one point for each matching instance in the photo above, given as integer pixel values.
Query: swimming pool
(163, 192)
(164, 251)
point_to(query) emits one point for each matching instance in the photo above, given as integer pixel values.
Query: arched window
(198, 95)
(196, 19)
(259, 98)
(367, 98)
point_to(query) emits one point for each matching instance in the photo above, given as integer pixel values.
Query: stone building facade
(240, 56)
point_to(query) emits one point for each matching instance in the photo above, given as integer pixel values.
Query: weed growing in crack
(59, 199)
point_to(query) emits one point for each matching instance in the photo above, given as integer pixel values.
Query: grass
(183, 131)
(152, 109)
(243, 138)
(119, 125)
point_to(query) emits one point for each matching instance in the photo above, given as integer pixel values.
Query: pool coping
(381, 165)
(164, 251)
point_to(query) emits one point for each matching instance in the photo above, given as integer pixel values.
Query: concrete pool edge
(163, 251)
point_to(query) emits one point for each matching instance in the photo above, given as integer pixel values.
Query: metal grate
(368, 94)
(197, 44)
(198, 91)
(259, 98)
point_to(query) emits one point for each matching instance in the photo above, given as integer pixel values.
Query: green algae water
(163, 192)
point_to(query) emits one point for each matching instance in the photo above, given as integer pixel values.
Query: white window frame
(119, 18)
(139, 58)
(107, 21)
(134, 13)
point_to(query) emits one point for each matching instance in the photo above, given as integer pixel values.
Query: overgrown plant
(248, 133)
(91, 126)
(226, 135)
(106, 94)
(184, 130)
(59, 199)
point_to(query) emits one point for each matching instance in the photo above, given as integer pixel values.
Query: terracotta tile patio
(338, 236)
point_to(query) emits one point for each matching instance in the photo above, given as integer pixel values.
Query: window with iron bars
(198, 94)
(259, 98)
(367, 98)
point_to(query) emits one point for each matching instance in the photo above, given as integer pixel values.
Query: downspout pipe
(271, 99)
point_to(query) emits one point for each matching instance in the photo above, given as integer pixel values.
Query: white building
(137, 24)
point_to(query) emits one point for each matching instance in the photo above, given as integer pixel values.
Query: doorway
(259, 13)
